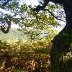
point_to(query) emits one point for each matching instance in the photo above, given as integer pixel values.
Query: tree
(5, 18)
(36, 25)
(27, 19)
(63, 40)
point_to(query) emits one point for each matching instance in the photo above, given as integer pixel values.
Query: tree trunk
(62, 41)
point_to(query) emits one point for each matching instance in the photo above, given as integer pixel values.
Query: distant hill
(13, 33)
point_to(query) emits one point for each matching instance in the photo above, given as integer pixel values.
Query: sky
(32, 2)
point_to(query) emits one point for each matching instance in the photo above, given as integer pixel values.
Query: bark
(61, 43)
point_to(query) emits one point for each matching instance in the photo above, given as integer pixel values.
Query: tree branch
(54, 15)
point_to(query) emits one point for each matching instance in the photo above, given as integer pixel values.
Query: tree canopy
(61, 42)
(25, 12)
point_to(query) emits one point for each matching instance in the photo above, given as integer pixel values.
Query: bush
(29, 56)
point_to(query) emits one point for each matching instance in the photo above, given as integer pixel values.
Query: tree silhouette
(63, 40)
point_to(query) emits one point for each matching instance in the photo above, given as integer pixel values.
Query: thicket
(28, 56)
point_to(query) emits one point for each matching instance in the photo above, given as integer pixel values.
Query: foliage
(25, 55)
(30, 56)
(27, 18)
